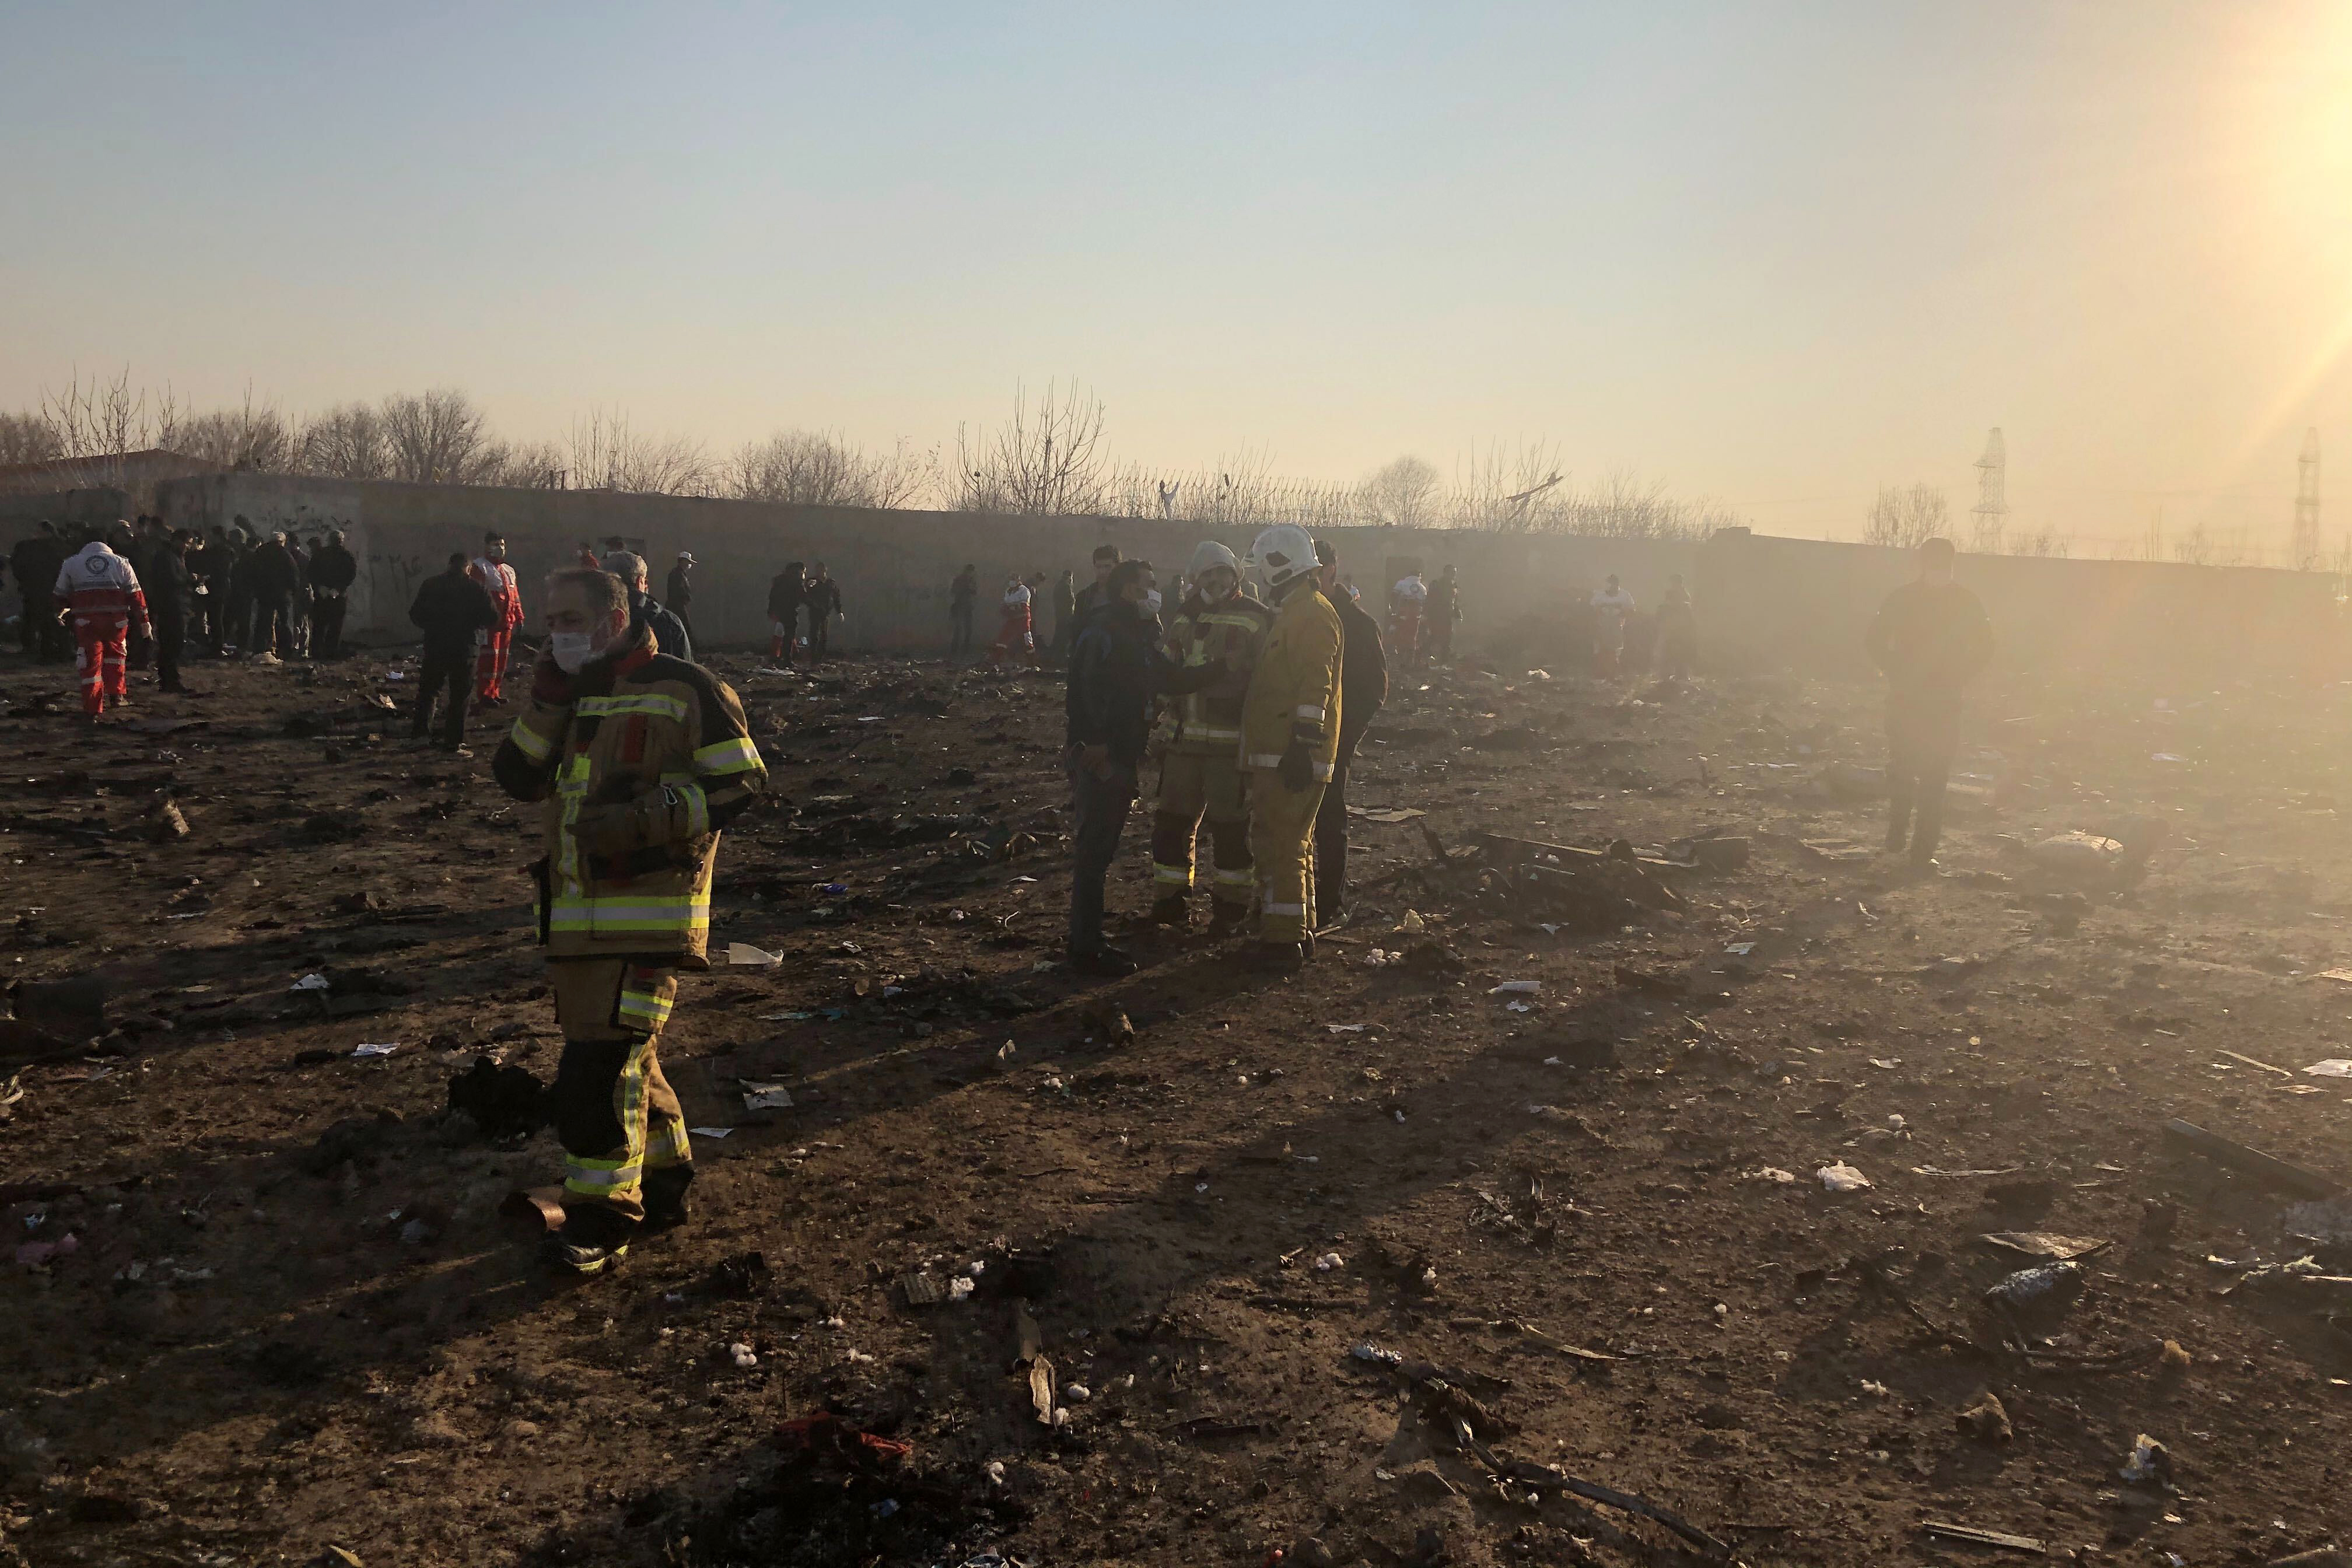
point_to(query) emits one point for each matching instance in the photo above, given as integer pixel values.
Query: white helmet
(1209, 554)
(1282, 552)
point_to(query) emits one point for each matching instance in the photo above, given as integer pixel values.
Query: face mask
(1220, 594)
(571, 650)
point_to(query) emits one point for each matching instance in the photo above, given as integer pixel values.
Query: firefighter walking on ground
(1290, 738)
(103, 604)
(1930, 639)
(497, 580)
(1199, 771)
(642, 760)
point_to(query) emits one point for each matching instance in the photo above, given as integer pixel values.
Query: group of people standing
(115, 598)
(797, 591)
(1251, 709)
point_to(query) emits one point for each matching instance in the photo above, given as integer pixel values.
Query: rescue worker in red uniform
(1290, 740)
(103, 604)
(642, 760)
(497, 580)
(1200, 768)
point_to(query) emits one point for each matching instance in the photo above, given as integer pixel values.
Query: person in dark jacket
(786, 592)
(169, 587)
(449, 609)
(824, 609)
(1116, 670)
(1065, 613)
(962, 594)
(35, 561)
(334, 570)
(670, 634)
(1363, 686)
(1930, 639)
(1094, 595)
(275, 576)
(680, 589)
(208, 565)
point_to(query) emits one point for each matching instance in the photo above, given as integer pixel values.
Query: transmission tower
(2306, 503)
(1992, 499)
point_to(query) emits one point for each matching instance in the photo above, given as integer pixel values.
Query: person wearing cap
(1363, 687)
(680, 592)
(1201, 767)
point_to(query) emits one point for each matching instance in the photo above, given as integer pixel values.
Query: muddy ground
(266, 1305)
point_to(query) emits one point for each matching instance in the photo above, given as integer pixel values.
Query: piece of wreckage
(2097, 861)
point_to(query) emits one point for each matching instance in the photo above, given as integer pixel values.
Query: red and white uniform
(498, 579)
(101, 592)
(1016, 638)
(1405, 601)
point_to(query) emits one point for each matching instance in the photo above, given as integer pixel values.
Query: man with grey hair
(645, 610)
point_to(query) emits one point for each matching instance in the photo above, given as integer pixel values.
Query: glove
(1297, 769)
(549, 684)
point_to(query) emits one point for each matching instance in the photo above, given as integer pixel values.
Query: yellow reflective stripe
(636, 702)
(1263, 759)
(1323, 771)
(572, 787)
(1180, 875)
(735, 756)
(667, 1145)
(654, 1009)
(698, 803)
(1244, 877)
(1245, 623)
(530, 742)
(1309, 711)
(628, 914)
(1207, 732)
(600, 1178)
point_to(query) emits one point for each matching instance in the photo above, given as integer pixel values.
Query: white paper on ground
(743, 952)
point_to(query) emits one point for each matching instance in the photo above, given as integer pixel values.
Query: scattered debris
(2251, 1161)
(1974, 1537)
(1987, 1420)
(2042, 1244)
(1842, 1178)
(2150, 1463)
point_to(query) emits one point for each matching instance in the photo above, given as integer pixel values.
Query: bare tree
(27, 437)
(1046, 460)
(1901, 518)
(351, 442)
(439, 437)
(98, 425)
(1518, 492)
(1399, 494)
(532, 465)
(605, 454)
(2044, 543)
(811, 468)
(256, 438)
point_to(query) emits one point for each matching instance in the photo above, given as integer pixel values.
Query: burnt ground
(292, 1319)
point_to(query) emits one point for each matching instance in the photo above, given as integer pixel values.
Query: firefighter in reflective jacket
(1200, 770)
(1290, 736)
(642, 759)
(101, 602)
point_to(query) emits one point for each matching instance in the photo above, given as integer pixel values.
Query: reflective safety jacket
(642, 759)
(101, 589)
(497, 580)
(1295, 693)
(1208, 722)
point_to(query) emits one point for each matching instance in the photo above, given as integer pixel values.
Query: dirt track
(271, 1337)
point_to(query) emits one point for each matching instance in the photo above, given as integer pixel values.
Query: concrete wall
(895, 567)
(1807, 603)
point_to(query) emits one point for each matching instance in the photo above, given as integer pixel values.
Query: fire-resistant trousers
(624, 1132)
(490, 662)
(1191, 786)
(100, 650)
(1282, 824)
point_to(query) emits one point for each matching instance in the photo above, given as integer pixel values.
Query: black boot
(1169, 909)
(1227, 918)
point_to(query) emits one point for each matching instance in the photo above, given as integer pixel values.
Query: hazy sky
(1776, 253)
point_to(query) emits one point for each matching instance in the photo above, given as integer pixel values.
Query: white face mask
(571, 650)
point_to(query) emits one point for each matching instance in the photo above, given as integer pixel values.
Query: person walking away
(680, 589)
(450, 610)
(1611, 607)
(1016, 636)
(171, 590)
(1200, 770)
(1930, 639)
(102, 601)
(497, 580)
(1407, 600)
(275, 576)
(670, 635)
(962, 594)
(785, 592)
(1065, 614)
(1363, 688)
(1290, 740)
(1444, 610)
(1095, 595)
(642, 761)
(334, 570)
(1116, 670)
(1677, 631)
(824, 609)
